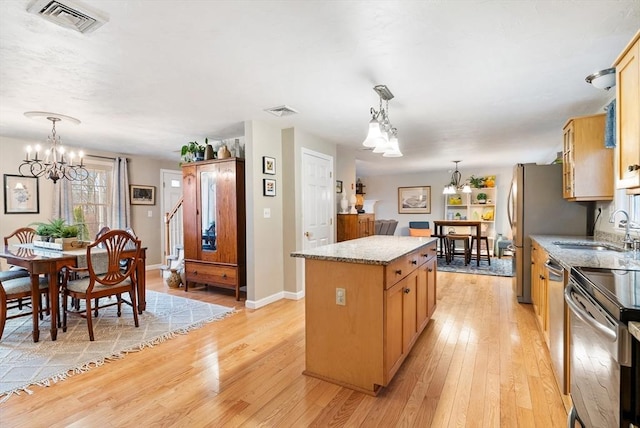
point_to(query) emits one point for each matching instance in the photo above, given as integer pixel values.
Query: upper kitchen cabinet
(587, 165)
(627, 157)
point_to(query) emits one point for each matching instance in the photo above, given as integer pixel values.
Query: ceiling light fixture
(54, 164)
(603, 79)
(382, 136)
(454, 185)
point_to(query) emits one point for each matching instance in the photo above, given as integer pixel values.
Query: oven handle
(584, 316)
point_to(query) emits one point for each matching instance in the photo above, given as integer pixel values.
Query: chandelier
(454, 186)
(382, 136)
(52, 162)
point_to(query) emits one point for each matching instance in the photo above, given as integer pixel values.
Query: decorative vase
(344, 204)
(208, 152)
(223, 152)
(352, 201)
(496, 246)
(174, 280)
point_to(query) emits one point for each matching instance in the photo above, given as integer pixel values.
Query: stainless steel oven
(603, 360)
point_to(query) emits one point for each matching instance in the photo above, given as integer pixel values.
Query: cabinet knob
(399, 272)
(414, 262)
(634, 167)
(224, 275)
(195, 272)
(407, 290)
(430, 270)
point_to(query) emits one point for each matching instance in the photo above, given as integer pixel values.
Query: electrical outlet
(341, 296)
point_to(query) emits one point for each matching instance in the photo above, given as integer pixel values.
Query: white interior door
(317, 199)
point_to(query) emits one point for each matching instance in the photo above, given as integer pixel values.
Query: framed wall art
(414, 200)
(268, 165)
(338, 186)
(142, 195)
(21, 195)
(269, 187)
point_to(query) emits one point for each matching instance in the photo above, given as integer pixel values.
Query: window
(91, 200)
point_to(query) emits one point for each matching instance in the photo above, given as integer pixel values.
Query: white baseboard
(257, 304)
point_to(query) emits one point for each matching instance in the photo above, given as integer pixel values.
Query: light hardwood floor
(480, 362)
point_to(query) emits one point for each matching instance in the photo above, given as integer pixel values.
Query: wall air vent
(68, 14)
(281, 111)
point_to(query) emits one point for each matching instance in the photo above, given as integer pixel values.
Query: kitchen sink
(587, 246)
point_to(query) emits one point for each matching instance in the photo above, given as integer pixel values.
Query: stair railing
(173, 234)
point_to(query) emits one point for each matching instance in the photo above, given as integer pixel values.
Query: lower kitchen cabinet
(362, 344)
(540, 289)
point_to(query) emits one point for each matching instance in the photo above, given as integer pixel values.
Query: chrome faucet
(627, 241)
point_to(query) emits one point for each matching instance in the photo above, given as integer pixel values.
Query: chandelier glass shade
(382, 136)
(454, 185)
(53, 162)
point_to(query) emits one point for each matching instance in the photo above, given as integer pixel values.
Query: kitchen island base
(362, 344)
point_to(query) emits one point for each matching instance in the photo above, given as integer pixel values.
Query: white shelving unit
(467, 206)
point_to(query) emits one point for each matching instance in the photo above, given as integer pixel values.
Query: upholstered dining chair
(114, 281)
(12, 291)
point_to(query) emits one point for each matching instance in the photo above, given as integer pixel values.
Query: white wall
(384, 188)
(264, 235)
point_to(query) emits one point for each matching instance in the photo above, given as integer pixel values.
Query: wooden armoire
(214, 223)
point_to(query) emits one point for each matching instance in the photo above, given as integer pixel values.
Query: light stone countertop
(634, 329)
(628, 260)
(372, 250)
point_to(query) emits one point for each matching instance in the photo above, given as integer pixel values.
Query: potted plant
(58, 231)
(43, 232)
(482, 198)
(192, 152)
(477, 182)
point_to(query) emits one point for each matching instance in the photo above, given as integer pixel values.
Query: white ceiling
(488, 82)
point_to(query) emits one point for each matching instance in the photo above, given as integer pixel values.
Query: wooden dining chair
(23, 235)
(113, 282)
(12, 292)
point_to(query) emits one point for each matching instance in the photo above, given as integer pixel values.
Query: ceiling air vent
(68, 14)
(281, 111)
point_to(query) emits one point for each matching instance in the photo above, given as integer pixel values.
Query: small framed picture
(269, 187)
(142, 195)
(21, 195)
(414, 200)
(338, 186)
(268, 165)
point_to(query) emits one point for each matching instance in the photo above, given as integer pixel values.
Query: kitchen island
(366, 302)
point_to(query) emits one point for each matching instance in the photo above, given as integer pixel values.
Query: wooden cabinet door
(628, 117)
(190, 220)
(426, 293)
(431, 267)
(422, 297)
(567, 162)
(409, 308)
(393, 343)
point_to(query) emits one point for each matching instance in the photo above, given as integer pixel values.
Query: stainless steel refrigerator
(535, 206)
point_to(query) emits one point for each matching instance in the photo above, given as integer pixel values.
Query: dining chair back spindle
(114, 279)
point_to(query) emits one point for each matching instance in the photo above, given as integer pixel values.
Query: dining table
(38, 261)
(440, 232)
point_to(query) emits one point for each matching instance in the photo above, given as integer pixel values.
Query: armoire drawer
(205, 273)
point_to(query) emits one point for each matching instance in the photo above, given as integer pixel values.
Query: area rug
(499, 267)
(24, 363)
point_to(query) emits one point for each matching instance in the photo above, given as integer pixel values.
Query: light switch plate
(267, 213)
